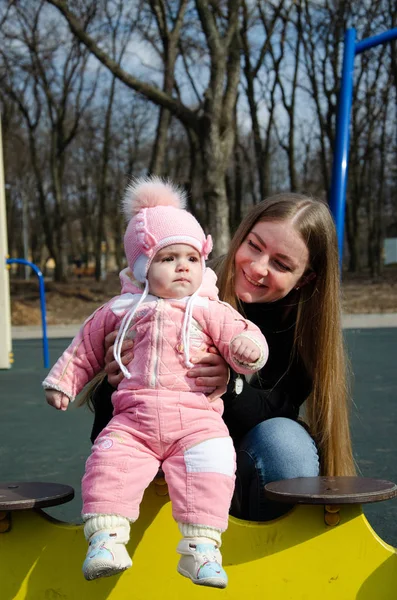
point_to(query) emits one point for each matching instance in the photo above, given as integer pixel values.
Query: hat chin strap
(125, 323)
(186, 328)
(139, 269)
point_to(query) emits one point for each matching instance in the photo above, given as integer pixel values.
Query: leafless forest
(232, 99)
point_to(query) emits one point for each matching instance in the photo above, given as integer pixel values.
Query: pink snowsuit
(160, 418)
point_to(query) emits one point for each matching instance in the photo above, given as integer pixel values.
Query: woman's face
(270, 262)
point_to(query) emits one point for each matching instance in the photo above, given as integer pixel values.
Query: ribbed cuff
(57, 388)
(94, 523)
(194, 531)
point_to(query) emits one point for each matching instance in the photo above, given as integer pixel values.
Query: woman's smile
(252, 281)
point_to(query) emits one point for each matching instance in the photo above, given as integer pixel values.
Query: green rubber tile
(42, 444)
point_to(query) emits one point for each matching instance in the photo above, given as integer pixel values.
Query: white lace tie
(125, 323)
(187, 321)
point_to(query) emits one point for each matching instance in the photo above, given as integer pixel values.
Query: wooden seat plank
(330, 490)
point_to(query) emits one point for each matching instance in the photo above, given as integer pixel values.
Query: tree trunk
(59, 220)
(215, 164)
(170, 40)
(352, 236)
(157, 163)
(102, 192)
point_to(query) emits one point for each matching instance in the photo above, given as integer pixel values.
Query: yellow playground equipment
(322, 548)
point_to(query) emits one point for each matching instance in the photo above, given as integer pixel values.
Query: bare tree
(50, 93)
(118, 36)
(292, 29)
(131, 154)
(212, 126)
(323, 25)
(169, 20)
(268, 15)
(367, 158)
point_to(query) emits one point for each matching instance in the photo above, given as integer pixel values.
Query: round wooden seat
(330, 490)
(32, 494)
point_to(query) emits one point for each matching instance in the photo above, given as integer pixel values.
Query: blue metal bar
(22, 261)
(341, 151)
(381, 38)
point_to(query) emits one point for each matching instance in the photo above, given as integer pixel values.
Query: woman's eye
(282, 266)
(251, 243)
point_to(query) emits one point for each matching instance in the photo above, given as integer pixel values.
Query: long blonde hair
(85, 396)
(318, 336)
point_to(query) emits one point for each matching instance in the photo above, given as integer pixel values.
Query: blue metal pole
(341, 151)
(22, 261)
(381, 38)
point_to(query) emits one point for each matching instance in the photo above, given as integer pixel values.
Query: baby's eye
(168, 259)
(193, 259)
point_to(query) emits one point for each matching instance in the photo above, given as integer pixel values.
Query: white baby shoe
(107, 554)
(201, 561)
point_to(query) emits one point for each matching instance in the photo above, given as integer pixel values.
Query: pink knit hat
(156, 218)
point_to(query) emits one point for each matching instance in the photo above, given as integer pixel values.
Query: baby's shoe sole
(215, 582)
(103, 570)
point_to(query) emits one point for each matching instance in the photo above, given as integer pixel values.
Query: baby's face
(175, 272)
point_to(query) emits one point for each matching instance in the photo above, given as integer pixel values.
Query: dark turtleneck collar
(277, 315)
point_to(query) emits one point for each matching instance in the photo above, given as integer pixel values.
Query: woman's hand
(112, 368)
(211, 371)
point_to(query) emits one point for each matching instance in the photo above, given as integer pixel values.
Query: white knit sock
(94, 523)
(194, 531)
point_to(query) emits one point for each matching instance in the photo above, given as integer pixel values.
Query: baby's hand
(57, 399)
(245, 350)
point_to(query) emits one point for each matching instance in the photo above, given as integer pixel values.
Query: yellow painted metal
(297, 557)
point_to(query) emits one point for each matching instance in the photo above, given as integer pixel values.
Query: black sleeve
(253, 405)
(103, 407)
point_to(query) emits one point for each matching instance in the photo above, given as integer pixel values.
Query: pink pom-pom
(148, 192)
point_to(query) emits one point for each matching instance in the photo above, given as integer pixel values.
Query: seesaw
(323, 548)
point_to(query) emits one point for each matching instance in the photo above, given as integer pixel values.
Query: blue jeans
(275, 449)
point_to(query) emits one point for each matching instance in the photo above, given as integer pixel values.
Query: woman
(281, 272)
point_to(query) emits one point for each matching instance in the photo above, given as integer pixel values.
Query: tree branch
(152, 93)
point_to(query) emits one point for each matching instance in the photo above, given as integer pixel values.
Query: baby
(170, 307)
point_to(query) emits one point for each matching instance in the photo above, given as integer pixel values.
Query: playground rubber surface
(38, 443)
